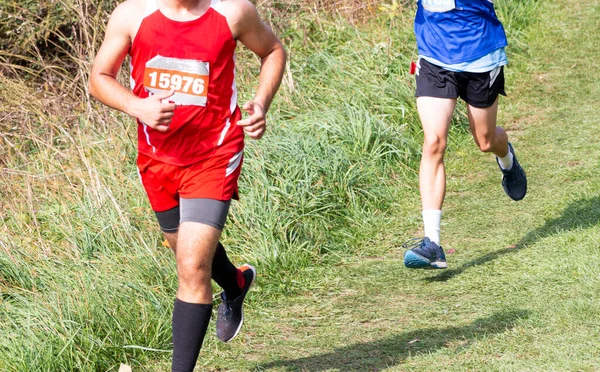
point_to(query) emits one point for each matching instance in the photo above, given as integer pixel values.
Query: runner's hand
(155, 111)
(254, 125)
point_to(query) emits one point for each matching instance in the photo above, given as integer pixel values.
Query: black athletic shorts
(477, 89)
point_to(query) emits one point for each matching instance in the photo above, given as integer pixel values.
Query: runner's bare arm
(103, 82)
(259, 38)
(248, 28)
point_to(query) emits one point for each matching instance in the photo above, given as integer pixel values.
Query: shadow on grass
(381, 354)
(582, 213)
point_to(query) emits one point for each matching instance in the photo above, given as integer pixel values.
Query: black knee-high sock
(225, 274)
(190, 322)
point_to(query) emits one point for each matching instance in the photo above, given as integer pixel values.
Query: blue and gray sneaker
(514, 181)
(424, 254)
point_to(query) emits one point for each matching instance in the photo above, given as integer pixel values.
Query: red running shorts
(214, 178)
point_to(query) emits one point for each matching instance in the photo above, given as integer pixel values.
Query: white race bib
(438, 6)
(188, 78)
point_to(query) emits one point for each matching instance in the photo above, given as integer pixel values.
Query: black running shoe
(514, 181)
(231, 312)
(424, 254)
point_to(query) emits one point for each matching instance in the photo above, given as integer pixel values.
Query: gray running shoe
(230, 315)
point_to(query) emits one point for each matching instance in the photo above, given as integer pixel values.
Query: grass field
(329, 195)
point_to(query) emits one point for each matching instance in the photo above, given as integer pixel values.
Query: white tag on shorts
(438, 6)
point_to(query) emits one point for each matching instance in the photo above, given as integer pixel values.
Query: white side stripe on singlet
(148, 138)
(131, 79)
(234, 163)
(224, 132)
(217, 5)
(151, 7)
(232, 106)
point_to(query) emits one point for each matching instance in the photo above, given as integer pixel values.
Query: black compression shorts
(206, 211)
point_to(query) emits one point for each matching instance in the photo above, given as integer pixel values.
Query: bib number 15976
(177, 82)
(188, 78)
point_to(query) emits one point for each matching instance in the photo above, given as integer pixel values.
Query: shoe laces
(413, 243)
(227, 311)
(227, 306)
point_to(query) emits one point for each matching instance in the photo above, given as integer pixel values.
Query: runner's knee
(486, 144)
(434, 146)
(192, 273)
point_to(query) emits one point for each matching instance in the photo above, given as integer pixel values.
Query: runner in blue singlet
(461, 54)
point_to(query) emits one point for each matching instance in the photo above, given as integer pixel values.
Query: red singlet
(196, 59)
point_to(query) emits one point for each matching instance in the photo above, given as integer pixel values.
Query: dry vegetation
(46, 50)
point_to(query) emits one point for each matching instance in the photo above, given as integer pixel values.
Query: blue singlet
(457, 31)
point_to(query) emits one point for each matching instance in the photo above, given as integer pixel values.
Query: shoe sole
(237, 331)
(416, 261)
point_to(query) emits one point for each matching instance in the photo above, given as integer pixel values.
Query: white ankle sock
(507, 161)
(432, 219)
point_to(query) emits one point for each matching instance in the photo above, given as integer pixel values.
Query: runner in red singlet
(191, 138)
